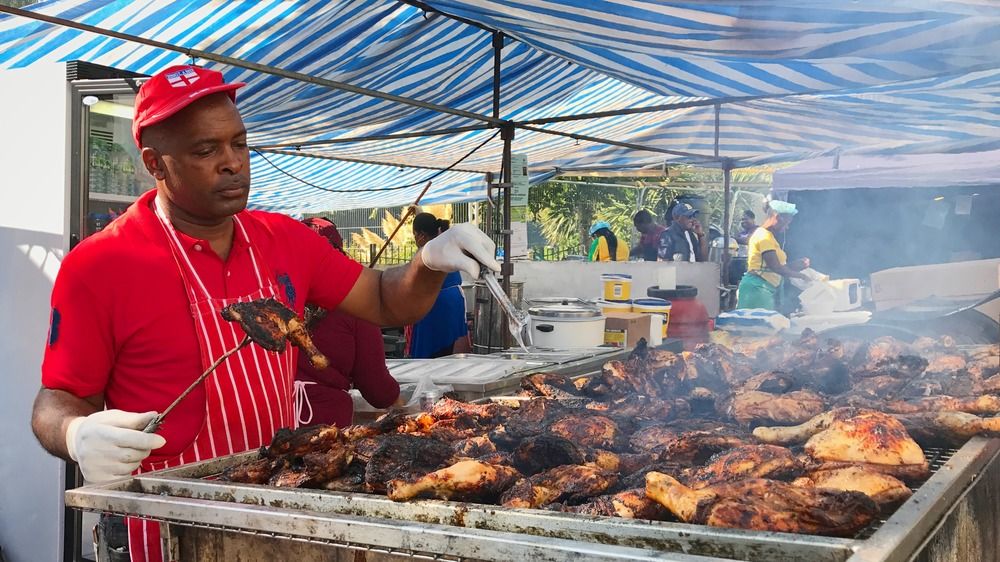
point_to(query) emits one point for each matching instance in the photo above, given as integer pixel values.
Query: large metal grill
(188, 496)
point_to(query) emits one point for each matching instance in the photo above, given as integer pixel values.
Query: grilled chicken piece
(735, 368)
(588, 430)
(269, 323)
(631, 377)
(467, 480)
(949, 429)
(772, 382)
(549, 385)
(946, 363)
(623, 463)
(765, 505)
(313, 469)
(694, 447)
(307, 439)
(571, 483)
(447, 409)
(545, 451)
(473, 447)
(652, 438)
(404, 457)
(630, 504)
(257, 471)
(763, 407)
(746, 461)
(885, 490)
(847, 436)
(642, 408)
(986, 404)
(872, 438)
(802, 432)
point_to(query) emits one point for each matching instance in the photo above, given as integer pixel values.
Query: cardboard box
(625, 329)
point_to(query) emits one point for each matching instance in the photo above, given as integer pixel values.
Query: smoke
(854, 232)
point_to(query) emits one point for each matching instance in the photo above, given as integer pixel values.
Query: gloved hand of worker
(110, 444)
(460, 248)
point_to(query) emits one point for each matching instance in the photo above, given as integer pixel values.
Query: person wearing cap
(684, 239)
(766, 262)
(135, 308)
(649, 242)
(443, 330)
(357, 359)
(605, 246)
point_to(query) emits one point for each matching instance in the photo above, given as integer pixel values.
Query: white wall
(583, 279)
(34, 203)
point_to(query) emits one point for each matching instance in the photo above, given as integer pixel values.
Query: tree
(566, 211)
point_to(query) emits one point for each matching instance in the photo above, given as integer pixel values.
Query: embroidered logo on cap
(182, 78)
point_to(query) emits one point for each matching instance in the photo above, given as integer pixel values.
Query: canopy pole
(497, 54)
(361, 161)
(507, 268)
(718, 110)
(727, 200)
(256, 67)
(366, 138)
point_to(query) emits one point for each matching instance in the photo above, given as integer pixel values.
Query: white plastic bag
(424, 392)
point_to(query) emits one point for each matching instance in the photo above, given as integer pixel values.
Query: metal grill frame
(435, 528)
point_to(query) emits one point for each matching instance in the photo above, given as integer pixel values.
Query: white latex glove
(451, 251)
(110, 444)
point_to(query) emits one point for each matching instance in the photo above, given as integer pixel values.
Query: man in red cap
(135, 308)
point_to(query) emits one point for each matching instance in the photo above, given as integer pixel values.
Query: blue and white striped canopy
(914, 76)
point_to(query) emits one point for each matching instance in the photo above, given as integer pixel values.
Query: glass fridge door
(115, 174)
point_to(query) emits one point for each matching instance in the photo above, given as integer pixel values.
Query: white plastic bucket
(617, 286)
(608, 307)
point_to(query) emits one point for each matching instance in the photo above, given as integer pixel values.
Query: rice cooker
(566, 324)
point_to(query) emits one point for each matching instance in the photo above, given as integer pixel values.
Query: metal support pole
(507, 269)
(507, 135)
(497, 54)
(727, 200)
(718, 110)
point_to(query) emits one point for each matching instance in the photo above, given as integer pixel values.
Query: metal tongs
(517, 319)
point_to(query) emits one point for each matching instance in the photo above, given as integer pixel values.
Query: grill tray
(187, 495)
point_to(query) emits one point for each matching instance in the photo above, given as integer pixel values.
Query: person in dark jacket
(684, 239)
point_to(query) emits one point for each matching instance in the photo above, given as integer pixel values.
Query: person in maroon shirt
(357, 359)
(650, 240)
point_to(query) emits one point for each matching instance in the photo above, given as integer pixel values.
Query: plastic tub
(660, 307)
(617, 286)
(607, 306)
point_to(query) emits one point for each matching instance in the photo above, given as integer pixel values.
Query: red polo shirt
(121, 322)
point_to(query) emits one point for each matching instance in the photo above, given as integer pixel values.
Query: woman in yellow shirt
(767, 263)
(605, 246)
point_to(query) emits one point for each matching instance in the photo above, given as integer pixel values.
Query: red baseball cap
(173, 89)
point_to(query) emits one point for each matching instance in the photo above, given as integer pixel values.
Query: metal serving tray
(189, 496)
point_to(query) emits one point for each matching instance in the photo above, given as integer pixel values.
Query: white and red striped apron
(248, 397)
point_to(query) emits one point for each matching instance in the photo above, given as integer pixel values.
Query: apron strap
(301, 402)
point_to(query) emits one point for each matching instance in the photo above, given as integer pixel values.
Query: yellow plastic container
(608, 307)
(617, 286)
(654, 306)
